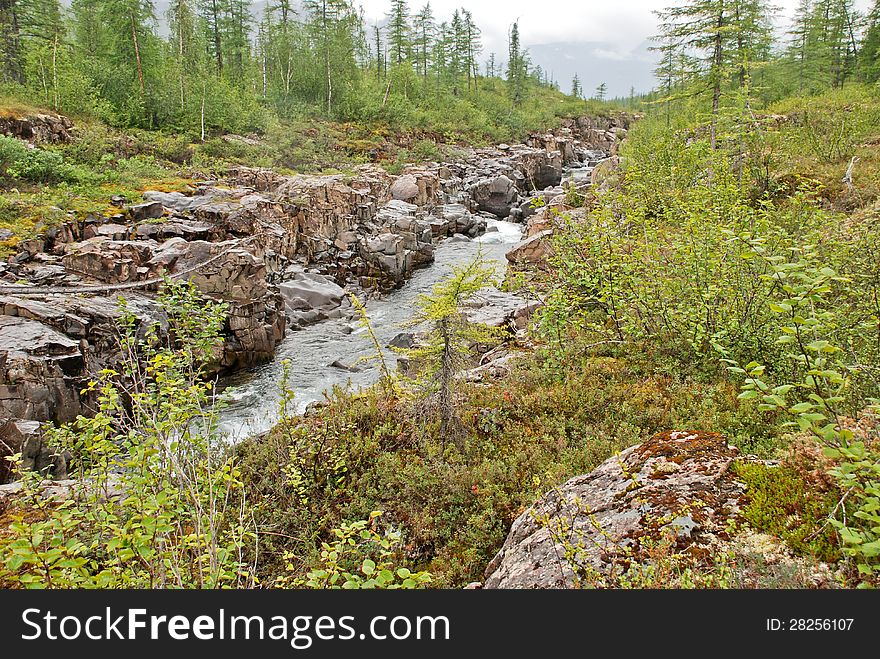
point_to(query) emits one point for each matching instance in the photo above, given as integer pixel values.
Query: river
(253, 395)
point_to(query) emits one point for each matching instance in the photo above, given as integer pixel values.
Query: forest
(499, 331)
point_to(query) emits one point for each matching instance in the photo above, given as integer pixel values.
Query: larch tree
(211, 13)
(423, 35)
(182, 27)
(132, 41)
(10, 48)
(869, 54)
(704, 27)
(399, 31)
(516, 66)
(473, 46)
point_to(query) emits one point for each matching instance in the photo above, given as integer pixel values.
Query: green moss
(782, 503)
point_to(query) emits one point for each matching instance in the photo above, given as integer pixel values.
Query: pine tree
(601, 92)
(576, 90)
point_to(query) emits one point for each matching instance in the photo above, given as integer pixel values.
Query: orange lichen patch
(678, 446)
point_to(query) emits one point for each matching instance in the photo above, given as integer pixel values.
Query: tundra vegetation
(721, 275)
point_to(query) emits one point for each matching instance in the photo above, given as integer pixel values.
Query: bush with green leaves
(831, 125)
(817, 392)
(21, 162)
(360, 556)
(156, 497)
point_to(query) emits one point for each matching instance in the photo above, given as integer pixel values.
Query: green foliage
(34, 165)
(832, 125)
(859, 476)
(815, 393)
(151, 505)
(528, 433)
(359, 557)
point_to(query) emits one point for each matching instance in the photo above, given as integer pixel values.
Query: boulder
(495, 308)
(531, 251)
(495, 195)
(539, 168)
(311, 291)
(310, 298)
(403, 341)
(405, 188)
(149, 210)
(677, 485)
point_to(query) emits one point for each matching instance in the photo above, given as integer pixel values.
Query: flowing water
(253, 395)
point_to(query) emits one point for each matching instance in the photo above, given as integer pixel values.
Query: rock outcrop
(677, 483)
(40, 371)
(310, 298)
(38, 128)
(26, 438)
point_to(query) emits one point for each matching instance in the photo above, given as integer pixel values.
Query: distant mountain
(596, 63)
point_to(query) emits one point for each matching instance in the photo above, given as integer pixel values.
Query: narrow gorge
(282, 251)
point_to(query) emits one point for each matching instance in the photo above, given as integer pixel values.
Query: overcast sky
(612, 34)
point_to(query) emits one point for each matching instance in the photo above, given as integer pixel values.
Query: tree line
(219, 66)
(729, 50)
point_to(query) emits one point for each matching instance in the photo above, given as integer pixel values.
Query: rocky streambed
(281, 250)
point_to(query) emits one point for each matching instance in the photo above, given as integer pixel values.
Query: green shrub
(153, 482)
